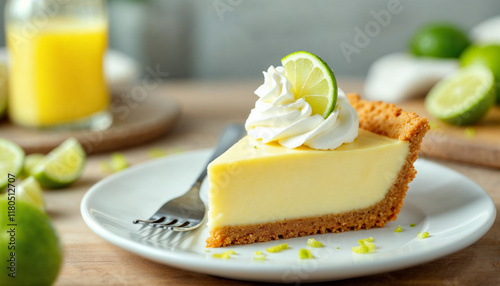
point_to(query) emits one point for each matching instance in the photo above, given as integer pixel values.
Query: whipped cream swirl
(278, 116)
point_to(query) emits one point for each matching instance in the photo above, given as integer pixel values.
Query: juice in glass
(56, 74)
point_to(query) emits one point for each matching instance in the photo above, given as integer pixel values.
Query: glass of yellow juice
(56, 75)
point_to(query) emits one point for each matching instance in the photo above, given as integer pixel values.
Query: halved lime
(11, 162)
(62, 166)
(313, 80)
(29, 190)
(463, 98)
(487, 55)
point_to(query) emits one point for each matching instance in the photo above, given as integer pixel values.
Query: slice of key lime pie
(314, 161)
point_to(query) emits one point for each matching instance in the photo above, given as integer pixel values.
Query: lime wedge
(31, 161)
(29, 190)
(312, 80)
(11, 162)
(62, 166)
(463, 98)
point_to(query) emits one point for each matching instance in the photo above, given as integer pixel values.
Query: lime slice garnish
(463, 98)
(29, 190)
(312, 80)
(62, 166)
(11, 162)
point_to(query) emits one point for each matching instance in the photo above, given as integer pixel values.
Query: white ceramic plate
(453, 209)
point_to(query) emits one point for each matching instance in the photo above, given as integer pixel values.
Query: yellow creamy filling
(255, 183)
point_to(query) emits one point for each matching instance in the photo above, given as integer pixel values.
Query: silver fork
(188, 211)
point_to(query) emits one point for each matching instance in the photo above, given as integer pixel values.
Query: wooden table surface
(206, 108)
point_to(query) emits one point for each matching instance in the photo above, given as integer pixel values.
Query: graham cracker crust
(377, 117)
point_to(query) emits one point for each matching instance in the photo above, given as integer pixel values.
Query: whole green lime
(487, 55)
(30, 249)
(439, 40)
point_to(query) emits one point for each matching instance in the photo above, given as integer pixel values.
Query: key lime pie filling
(298, 173)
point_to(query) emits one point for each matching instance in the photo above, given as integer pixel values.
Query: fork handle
(232, 134)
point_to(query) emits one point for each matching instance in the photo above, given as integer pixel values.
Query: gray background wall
(240, 38)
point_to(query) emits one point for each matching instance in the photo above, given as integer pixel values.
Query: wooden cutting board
(134, 123)
(476, 144)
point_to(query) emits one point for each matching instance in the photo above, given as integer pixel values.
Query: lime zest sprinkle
(277, 248)
(412, 225)
(261, 257)
(117, 162)
(398, 229)
(362, 249)
(305, 254)
(154, 153)
(224, 255)
(470, 132)
(258, 255)
(314, 243)
(338, 247)
(370, 245)
(366, 245)
(422, 235)
(369, 239)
